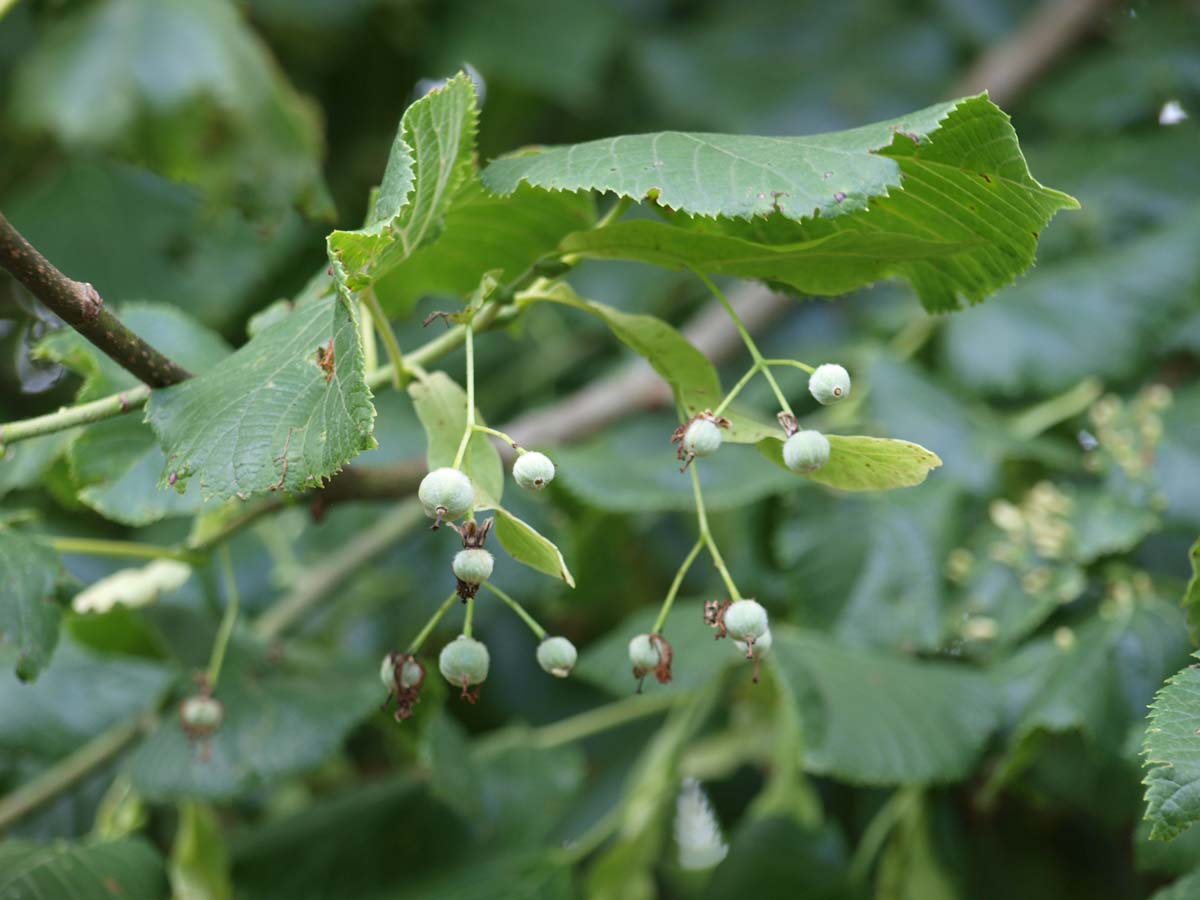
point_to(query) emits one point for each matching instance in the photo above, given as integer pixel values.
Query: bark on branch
(79, 305)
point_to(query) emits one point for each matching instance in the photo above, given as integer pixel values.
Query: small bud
(446, 494)
(745, 620)
(473, 566)
(702, 438)
(557, 656)
(201, 715)
(464, 662)
(829, 384)
(533, 470)
(806, 451)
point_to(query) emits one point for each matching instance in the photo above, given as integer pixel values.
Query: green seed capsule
(702, 438)
(533, 471)
(643, 654)
(745, 620)
(806, 451)
(446, 493)
(557, 656)
(473, 566)
(829, 384)
(464, 662)
(201, 715)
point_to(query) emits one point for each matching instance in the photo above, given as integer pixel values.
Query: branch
(1006, 70)
(78, 304)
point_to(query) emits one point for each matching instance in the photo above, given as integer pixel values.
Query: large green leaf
(692, 377)
(187, 88)
(29, 615)
(53, 717)
(941, 197)
(631, 467)
(526, 545)
(442, 408)
(271, 417)
(117, 463)
(129, 870)
(1184, 889)
(431, 159)
(871, 718)
(280, 718)
(484, 233)
(1172, 756)
(858, 463)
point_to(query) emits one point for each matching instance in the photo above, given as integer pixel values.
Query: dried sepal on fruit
(403, 675)
(698, 436)
(651, 653)
(472, 565)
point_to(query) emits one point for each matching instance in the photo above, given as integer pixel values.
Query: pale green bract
(941, 197)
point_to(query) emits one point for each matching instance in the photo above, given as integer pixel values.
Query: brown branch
(78, 304)
(1006, 70)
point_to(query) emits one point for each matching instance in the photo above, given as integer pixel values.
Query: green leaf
(157, 80)
(766, 853)
(871, 718)
(29, 615)
(1100, 680)
(955, 168)
(431, 160)
(1172, 756)
(117, 463)
(692, 377)
(631, 467)
(858, 463)
(199, 868)
(442, 408)
(53, 717)
(280, 719)
(909, 868)
(526, 546)
(537, 876)
(1191, 596)
(270, 418)
(1184, 889)
(130, 870)
(484, 233)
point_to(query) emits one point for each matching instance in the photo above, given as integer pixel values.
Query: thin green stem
(228, 621)
(384, 327)
(885, 820)
(470, 426)
(469, 620)
(675, 585)
(483, 429)
(737, 388)
(747, 340)
(538, 631)
(615, 212)
(794, 363)
(707, 538)
(120, 549)
(70, 417)
(72, 769)
(602, 718)
(366, 337)
(424, 633)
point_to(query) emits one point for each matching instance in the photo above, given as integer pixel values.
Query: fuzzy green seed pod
(758, 649)
(806, 451)
(446, 493)
(643, 654)
(473, 566)
(745, 620)
(702, 438)
(557, 656)
(829, 384)
(464, 662)
(533, 471)
(201, 715)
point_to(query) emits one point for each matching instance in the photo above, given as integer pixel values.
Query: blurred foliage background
(196, 154)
